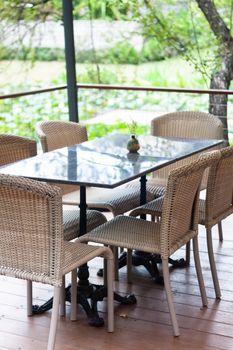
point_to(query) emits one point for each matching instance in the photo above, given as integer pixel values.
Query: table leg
(143, 181)
(150, 261)
(89, 291)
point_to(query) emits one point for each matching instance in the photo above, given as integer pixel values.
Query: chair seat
(132, 233)
(81, 252)
(71, 219)
(157, 185)
(152, 208)
(211, 221)
(127, 232)
(154, 185)
(118, 200)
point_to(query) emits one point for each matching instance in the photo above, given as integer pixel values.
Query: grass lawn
(172, 72)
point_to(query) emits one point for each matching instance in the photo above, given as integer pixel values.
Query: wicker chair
(14, 148)
(179, 224)
(57, 134)
(186, 124)
(217, 205)
(33, 246)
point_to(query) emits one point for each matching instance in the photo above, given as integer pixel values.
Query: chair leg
(212, 263)
(105, 277)
(220, 234)
(116, 269)
(199, 272)
(29, 298)
(110, 269)
(73, 315)
(105, 273)
(129, 265)
(62, 298)
(167, 285)
(54, 318)
(187, 254)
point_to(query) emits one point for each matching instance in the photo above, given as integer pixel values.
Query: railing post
(70, 60)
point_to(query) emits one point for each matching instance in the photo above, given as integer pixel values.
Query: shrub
(152, 51)
(32, 54)
(121, 53)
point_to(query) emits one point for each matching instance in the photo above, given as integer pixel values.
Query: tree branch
(215, 21)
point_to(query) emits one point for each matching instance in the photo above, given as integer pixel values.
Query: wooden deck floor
(145, 325)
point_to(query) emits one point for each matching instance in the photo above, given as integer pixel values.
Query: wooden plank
(145, 325)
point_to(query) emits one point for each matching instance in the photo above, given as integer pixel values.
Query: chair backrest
(180, 207)
(14, 148)
(219, 194)
(31, 230)
(186, 124)
(58, 134)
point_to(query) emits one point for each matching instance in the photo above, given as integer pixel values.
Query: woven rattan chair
(217, 205)
(186, 124)
(179, 225)
(33, 247)
(14, 148)
(57, 134)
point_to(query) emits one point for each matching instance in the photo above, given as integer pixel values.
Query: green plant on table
(133, 126)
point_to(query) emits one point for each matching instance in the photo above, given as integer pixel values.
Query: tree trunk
(222, 77)
(218, 103)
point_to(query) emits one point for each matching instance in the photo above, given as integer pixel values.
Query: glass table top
(106, 162)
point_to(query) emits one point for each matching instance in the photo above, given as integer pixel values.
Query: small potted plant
(133, 144)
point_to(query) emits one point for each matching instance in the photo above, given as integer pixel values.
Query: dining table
(105, 163)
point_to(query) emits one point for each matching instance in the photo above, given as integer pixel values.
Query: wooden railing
(120, 87)
(132, 88)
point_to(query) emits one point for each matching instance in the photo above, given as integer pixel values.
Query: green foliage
(46, 54)
(121, 53)
(20, 115)
(34, 10)
(91, 76)
(124, 53)
(104, 9)
(157, 78)
(183, 29)
(152, 51)
(100, 129)
(133, 127)
(34, 54)
(31, 10)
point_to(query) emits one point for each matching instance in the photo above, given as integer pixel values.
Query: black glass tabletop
(105, 161)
